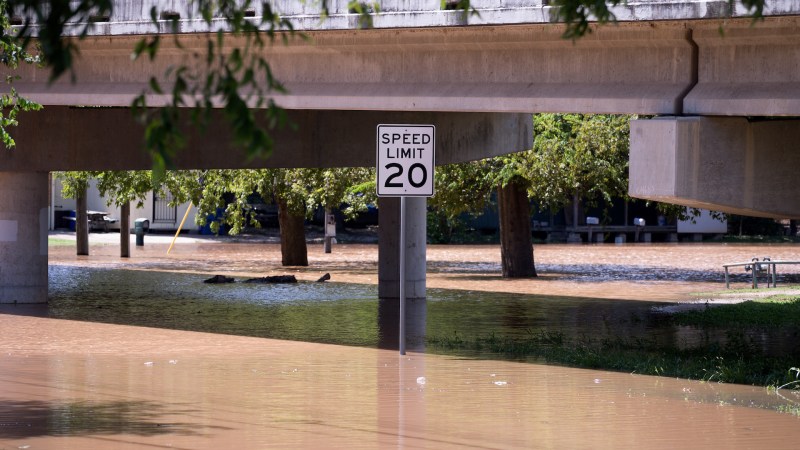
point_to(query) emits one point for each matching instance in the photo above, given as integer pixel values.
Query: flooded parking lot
(141, 353)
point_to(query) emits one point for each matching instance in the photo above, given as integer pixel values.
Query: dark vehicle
(265, 214)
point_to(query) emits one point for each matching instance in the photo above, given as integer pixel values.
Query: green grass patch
(773, 311)
(56, 242)
(737, 361)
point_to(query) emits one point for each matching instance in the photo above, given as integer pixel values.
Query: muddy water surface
(68, 384)
(77, 374)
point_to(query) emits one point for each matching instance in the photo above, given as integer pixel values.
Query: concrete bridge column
(23, 237)
(728, 164)
(389, 272)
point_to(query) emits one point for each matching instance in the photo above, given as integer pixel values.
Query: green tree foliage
(118, 187)
(459, 188)
(301, 190)
(123, 187)
(577, 155)
(11, 55)
(73, 183)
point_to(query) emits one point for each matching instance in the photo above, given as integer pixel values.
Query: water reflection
(70, 384)
(27, 418)
(389, 325)
(318, 312)
(324, 312)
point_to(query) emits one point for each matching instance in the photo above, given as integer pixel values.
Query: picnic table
(764, 267)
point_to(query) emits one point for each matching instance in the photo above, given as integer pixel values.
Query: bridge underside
(69, 138)
(674, 68)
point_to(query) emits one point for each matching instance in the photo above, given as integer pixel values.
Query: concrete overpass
(477, 79)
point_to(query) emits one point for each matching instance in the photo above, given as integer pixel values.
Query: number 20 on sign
(405, 160)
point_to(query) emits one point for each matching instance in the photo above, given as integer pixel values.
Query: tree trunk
(81, 224)
(576, 216)
(125, 231)
(293, 236)
(575, 213)
(516, 249)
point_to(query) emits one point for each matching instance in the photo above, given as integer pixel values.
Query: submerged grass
(737, 361)
(773, 311)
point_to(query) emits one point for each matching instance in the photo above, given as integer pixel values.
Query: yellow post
(179, 227)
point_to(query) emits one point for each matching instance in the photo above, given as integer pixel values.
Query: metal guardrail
(765, 266)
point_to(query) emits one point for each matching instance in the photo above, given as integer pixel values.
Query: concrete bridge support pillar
(23, 237)
(389, 272)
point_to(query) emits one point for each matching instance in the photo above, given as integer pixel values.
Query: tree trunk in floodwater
(125, 231)
(81, 224)
(516, 248)
(293, 236)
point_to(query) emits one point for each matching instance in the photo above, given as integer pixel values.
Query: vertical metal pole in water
(402, 341)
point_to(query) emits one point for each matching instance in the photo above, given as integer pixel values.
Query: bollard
(140, 227)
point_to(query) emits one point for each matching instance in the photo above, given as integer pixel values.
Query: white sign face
(405, 160)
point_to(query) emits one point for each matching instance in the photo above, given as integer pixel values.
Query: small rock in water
(273, 279)
(219, 279)
(323, 278)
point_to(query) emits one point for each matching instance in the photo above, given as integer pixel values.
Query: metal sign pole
(402, 343)
(405, 163)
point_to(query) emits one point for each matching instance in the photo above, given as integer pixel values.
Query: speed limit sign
(405, 160)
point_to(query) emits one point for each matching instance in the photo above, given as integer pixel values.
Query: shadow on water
(25, 419)
(350, 314)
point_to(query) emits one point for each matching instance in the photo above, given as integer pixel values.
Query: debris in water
(501, 383)
(219, 279)
(324, 278)
(421, 381)
(273, 279)
(148, 363)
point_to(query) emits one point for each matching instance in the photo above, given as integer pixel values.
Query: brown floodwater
(71, 384)
(651, 272)
(140, 353)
